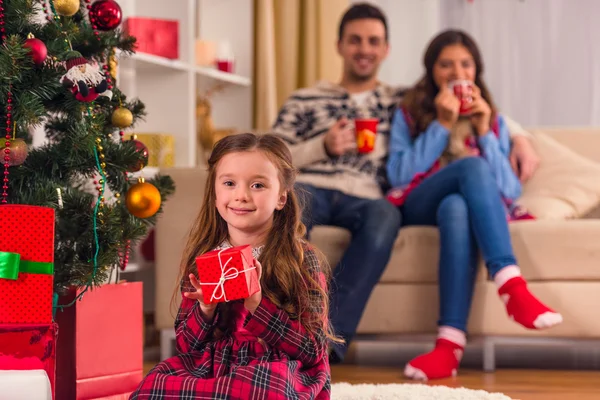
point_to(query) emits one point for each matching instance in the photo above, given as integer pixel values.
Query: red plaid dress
(268, 355)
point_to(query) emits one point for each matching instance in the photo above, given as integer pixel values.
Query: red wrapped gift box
(26, 264)
(100, 346)
(227, 274)
(28, 347)
(155, 36)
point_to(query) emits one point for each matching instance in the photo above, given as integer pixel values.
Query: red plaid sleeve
(275, 327)
(192, 330)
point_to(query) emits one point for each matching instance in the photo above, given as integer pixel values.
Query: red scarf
(397, 196)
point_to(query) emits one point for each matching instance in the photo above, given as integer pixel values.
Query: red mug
(463, 90)
(366, 131)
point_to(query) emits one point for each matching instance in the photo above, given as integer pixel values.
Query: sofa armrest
(594, 214)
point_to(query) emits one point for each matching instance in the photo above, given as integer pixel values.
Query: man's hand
(523, 158)
(340, 138)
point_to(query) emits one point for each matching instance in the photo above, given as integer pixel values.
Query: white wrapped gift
(25, 385)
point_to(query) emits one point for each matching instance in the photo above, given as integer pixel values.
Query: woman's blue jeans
(464, 202)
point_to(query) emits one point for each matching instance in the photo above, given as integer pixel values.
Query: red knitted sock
(523, 307)
(440, 363)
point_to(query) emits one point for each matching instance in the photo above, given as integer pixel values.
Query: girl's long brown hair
(285, 279)
(419, 101)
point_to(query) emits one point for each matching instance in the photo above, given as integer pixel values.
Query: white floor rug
(346, 391)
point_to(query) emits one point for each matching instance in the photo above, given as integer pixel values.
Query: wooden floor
(518, 384)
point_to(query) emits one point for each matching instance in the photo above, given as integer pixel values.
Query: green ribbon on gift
(11, 265)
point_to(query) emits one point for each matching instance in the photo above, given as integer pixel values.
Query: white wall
(411, 24)
(542, 58)
(545, 68)
(231, 20)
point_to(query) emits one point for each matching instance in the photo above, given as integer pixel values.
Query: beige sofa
(560, 258)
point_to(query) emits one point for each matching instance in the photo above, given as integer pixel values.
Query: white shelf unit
(169, 88)
(148, 61)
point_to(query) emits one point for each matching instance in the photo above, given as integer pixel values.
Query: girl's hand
(448, 107)
(252, 302)
(481, 113)
(208, 310)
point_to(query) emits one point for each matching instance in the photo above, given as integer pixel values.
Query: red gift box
(227, 274)
(29, 347)
(155, 36)
(100, 346)
(26, 264)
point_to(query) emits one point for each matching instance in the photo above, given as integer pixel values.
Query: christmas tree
(58, 74)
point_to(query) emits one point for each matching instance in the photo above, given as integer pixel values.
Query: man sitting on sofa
(342, 187)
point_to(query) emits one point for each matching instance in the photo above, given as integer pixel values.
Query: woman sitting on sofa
(467, 190)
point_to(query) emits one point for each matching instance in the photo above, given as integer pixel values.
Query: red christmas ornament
(143, 150)
(105, 15)
(37, 48)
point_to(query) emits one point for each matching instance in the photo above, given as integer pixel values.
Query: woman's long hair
(285, 279)
(419, 101)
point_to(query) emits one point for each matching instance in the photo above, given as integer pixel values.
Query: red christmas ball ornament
(37, 49)
(105, 15)
(141, 149)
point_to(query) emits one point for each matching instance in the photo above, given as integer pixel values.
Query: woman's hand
(252, 302)
(448, 107)
(208, 310)
(481, 113)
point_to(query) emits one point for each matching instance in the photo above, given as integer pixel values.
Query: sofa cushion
(172, 229)
(416, 310)
(566, 184)
(573, 300)
(545, 250)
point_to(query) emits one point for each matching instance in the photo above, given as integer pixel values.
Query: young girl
(463, 199)
(272, 345)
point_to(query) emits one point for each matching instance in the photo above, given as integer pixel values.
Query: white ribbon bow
(230, 273)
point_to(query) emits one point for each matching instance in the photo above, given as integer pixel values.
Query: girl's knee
(474, 165)
(453, 206)
(476, 174)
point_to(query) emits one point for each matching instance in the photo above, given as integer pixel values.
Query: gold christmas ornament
(143, 199)
(18, 151)
(66, 8)
(113, 64)
(122, 118)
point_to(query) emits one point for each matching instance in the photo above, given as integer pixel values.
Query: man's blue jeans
(464, 202)
(374, 226)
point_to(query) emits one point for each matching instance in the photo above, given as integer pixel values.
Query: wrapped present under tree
(26, 264)
(29, 347)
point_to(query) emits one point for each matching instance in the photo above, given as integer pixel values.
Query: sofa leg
(166, 343)
(489, 355)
